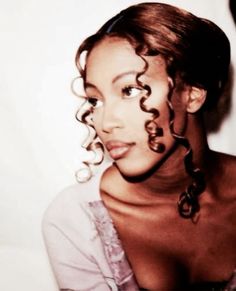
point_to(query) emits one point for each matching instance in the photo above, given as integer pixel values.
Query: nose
(111, 117)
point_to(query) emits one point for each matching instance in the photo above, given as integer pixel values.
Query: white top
(83, 246)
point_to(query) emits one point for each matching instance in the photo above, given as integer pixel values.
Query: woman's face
(114, 94)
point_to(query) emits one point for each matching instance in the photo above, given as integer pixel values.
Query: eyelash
(126, 91)
(96, 103)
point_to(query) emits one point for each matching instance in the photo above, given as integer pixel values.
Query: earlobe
(196, 98)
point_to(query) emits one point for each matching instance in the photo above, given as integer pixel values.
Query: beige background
(40, 139)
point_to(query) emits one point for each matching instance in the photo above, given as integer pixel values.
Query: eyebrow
(89, 85)
(120, 76)
(114, 80)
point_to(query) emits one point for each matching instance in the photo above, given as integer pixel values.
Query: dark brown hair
(196, 52)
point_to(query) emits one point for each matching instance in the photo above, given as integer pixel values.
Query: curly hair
(196, 52)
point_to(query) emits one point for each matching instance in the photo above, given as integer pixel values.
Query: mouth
(118, 149)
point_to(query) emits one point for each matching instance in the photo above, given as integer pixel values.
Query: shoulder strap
(114, 252)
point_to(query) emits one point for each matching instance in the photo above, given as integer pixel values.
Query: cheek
(162, 140)
(136, 123)
(96, 120)
(162, 121)
(97, 123)
(163, 137)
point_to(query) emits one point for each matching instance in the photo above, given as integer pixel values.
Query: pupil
(129, 91)
(93, 102)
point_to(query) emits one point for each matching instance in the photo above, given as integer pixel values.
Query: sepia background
(40, 138)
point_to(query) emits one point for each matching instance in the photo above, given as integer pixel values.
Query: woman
(162, 216)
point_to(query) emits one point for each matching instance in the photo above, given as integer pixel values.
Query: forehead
(113, 56)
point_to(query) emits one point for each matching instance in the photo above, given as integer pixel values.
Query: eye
(95, 103)
(131, 91)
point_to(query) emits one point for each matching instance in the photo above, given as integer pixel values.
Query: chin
(133, 173)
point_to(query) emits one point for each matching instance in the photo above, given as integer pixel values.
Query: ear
(195, 100)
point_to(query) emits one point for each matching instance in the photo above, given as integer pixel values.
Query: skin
(169, 252)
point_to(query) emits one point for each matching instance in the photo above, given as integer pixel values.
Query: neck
(171, 177)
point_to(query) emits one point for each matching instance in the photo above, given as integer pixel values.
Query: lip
(118, 149)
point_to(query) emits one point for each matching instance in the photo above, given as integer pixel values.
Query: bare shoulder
(226, 165)
(227, 162)
(70, 202)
